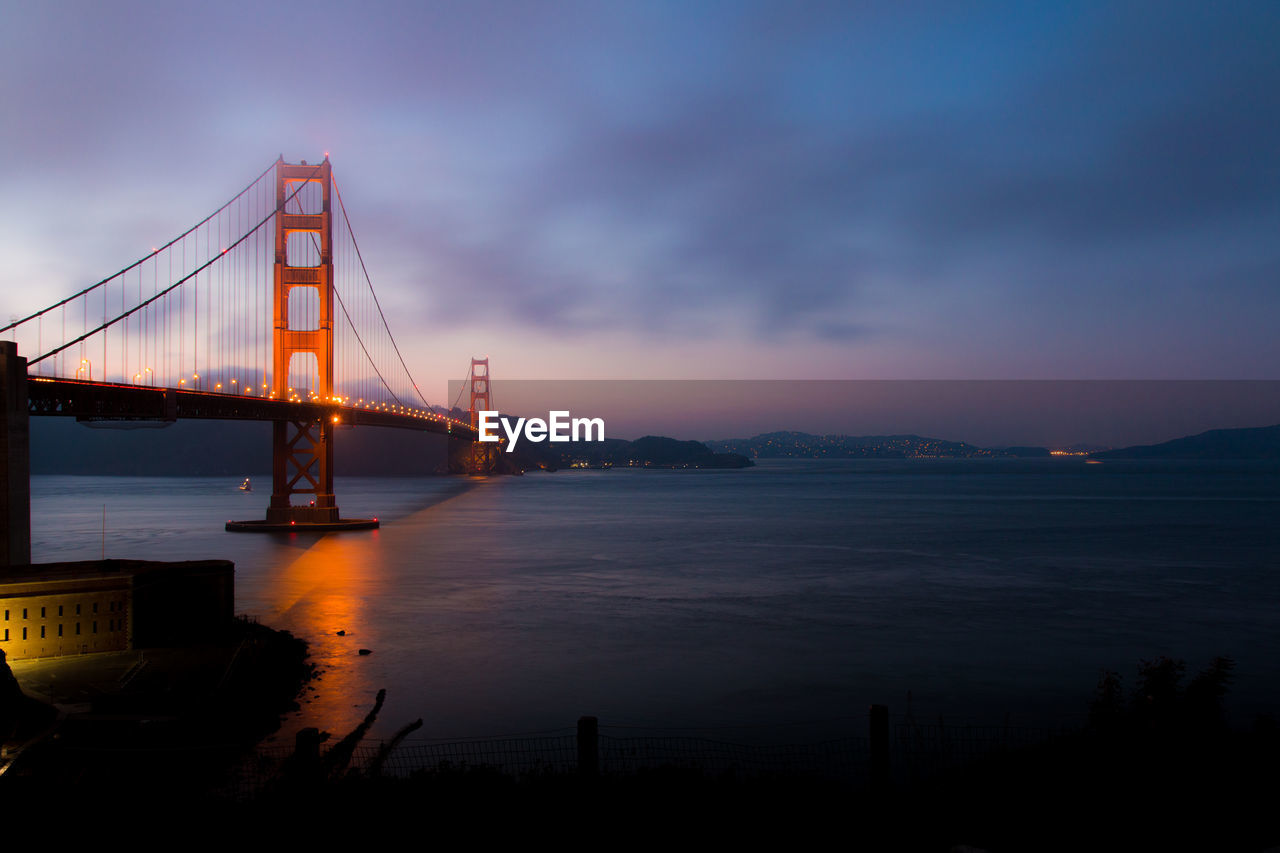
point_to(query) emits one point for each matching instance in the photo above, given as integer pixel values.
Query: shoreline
(188, 713)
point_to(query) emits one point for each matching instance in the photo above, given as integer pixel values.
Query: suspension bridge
(264, 310)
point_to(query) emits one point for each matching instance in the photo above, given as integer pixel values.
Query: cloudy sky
(680, 190)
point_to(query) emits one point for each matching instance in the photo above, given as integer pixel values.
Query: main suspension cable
(378, 305)
(141, 260)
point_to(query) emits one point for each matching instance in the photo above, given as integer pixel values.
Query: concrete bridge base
(324, 514)
(15, 459)
(258, 526)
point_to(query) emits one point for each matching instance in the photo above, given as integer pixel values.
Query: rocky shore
(170, 722)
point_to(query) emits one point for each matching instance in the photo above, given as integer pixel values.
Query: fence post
(880, 748)
(307, 750)
(588, 746)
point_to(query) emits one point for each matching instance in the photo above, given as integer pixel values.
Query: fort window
(77, 628)
(59, 629)
(42, 632)
(95, 626)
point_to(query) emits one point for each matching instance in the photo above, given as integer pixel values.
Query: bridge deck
(108, 401)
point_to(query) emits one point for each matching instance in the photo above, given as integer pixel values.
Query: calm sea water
(776, 602)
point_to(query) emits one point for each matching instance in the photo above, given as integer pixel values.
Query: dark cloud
(798, 173)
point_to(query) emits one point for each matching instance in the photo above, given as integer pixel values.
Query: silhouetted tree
(1157, 698)
(1205, 693)
(1107, 708)
(1159, 704)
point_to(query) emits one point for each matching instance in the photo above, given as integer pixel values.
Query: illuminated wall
(82, 608)
(57, 618)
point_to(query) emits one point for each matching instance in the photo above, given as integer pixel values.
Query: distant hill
(1252, 443)
(802, 445)
(655, 451)
(649, 452)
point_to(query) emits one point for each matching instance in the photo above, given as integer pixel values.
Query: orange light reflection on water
(326, 589)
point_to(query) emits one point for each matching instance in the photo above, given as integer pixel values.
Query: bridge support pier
(307, 455)
(15, 460)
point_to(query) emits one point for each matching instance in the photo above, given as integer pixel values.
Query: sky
(694, 190)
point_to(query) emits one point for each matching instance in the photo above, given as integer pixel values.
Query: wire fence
(912, 752)
(916, 752)
(519, 757)
(843, 760)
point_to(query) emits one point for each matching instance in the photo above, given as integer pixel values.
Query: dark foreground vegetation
(1157, 767)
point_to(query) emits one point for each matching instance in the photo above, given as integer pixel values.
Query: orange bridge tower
(302, 450)
(479, 390)
(476, 457)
